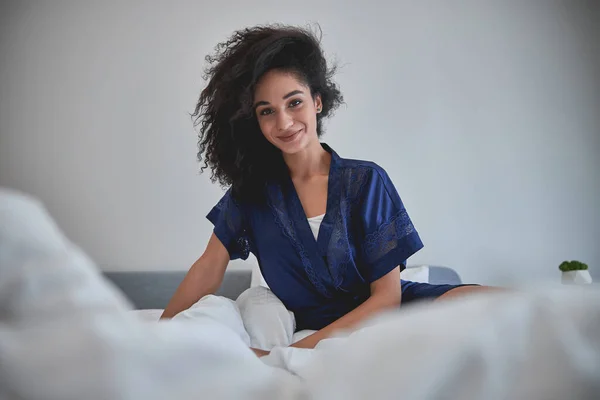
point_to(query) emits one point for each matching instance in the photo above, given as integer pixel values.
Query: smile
(291, 137)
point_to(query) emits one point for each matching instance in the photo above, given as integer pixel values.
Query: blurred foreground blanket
(65, 333)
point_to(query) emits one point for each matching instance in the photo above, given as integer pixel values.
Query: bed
(66, 334)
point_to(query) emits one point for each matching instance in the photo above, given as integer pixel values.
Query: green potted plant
(575, 272)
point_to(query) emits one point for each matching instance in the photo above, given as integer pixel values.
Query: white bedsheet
(67, 334)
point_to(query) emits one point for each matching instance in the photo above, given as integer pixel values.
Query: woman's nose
(284, 121)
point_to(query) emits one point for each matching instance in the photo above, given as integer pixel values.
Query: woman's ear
(318, 103)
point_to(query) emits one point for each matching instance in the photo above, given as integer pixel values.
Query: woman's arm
(204, 277)
(386, 293)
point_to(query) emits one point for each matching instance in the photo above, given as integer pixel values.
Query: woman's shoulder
(362, 179)
(354, 168)
(362, 169)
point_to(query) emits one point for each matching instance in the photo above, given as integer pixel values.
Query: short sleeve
(389, 235)
(230, 227)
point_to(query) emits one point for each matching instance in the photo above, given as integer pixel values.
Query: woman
(331, 234)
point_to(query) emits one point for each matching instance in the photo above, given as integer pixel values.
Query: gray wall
(485, 114)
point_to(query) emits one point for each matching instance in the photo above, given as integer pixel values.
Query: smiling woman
(331, 235)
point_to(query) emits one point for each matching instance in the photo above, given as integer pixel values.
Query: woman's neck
(310, 162)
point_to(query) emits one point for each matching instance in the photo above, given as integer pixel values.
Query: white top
(315, 224)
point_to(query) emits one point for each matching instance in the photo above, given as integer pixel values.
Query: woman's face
(286, 111)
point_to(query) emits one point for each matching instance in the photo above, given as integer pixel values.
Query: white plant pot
(576, 277)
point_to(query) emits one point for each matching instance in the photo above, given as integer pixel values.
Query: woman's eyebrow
(290, 94)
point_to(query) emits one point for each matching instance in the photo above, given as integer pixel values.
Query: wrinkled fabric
(65, 333)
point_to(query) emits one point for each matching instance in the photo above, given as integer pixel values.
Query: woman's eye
(265, 111)
(295, 103)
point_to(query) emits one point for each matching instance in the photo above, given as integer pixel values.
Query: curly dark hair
(230, 140)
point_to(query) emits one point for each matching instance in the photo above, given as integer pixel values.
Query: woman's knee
(268, 322)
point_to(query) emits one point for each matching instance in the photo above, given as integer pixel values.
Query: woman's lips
(291, 137)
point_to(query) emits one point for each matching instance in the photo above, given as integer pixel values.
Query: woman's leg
(466, 290)
(267, 321)
(418, 291)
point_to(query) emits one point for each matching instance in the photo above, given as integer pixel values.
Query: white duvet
(67, 334)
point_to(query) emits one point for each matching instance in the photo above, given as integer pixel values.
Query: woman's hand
(259, 352)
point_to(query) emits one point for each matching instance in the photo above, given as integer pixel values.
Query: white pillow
(416, 274)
